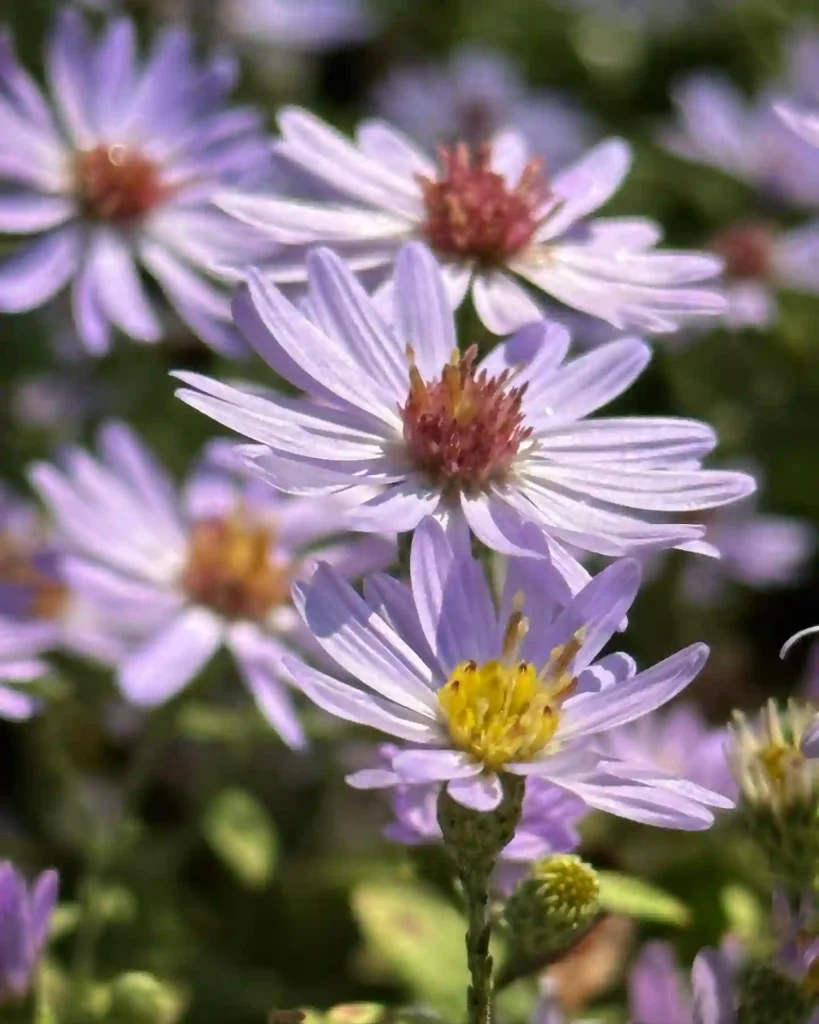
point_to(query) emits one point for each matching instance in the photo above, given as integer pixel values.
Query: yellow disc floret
(505, 711)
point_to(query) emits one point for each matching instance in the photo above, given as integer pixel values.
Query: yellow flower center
(778, 760)
(230, 569)
(505, 711)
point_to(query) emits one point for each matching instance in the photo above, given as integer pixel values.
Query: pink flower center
(471, 211)
(747, 250)
(230, 569)
(117, 184)
(465, 429)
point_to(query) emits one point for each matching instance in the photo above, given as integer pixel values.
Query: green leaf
(623, 894)
(240, 832)
(744, 913)
(421, 937)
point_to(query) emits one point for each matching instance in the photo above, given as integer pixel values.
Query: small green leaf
(745, 915)
(420, 936)
(623, 894)
(241, 834)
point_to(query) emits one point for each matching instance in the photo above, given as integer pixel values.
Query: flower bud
(551, 907)
(779, 789)
(140, 998)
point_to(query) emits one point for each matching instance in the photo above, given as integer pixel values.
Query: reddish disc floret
(464, 430)
(747, 250)
(473, 213)
(117, 184)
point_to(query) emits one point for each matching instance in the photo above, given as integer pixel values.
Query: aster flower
(756, 549)
(117, 171)
(547, 824)
(190, 573)
(491, 215)
(797, 936)
(502, 443)
(474, 96)
(717, 126)
(303, 25)
(34, 587)
(21, 644)
(656, 993)
(679, 741)
(25, 914)
(478, 693)
(802, 120)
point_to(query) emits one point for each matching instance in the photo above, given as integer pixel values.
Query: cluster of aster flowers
(436, 532)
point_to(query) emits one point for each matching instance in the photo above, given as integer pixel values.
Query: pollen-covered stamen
(464, 430)
(504, 711)
(230, 568)
(747, 250)
(117, 184)
(473, 213)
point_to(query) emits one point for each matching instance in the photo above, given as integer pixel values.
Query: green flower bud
(140, 998)
(779, 789)
(551, 907)
(767, 996)
(475, 838)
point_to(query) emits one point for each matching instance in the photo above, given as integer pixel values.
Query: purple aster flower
(21, 644)
(118, 172)
(756, 550)
(797, 934)
(656, 993)
(187, 574)
(802, 120)
(503, 443)
(680, 742)
(717, 126)
(478, 693)
(25, 915)
(474, 96)
(305, 25)
(491, 215)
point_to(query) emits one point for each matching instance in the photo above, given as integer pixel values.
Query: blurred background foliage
(249, 876)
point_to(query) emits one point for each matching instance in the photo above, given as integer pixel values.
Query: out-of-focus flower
(796, 932)
(756, 550)
(118, 172)
(194, 572)
(656, 993)
(802, 120)
(717, 126)
(21, 643)
(478, 694)
(306, 25)
(680, 742)
(491, 215)
(25, 915)
(37, 604)
(547, 824)
(504, 443)
(477, 94)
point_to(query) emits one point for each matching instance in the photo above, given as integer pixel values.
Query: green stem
(103, 854)
(478, 957)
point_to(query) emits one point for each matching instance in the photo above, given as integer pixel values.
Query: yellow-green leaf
(623, 894)
(240, 832)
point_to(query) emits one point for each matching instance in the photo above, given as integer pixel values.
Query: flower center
(230, 569)
(747, 250)
(117, 184)
(465, 429)
(471, 211)
(34, 592)
(505, 711)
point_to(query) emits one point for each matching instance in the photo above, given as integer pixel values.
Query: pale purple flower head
(717, 126)
(25, 915)
(300, 25)
(680, 742)
(756, 549)
(477, 693)
(185, 574)
(658, 994)
(527, 470)
(496, 220)
(547, 825)
(472, 97)
(116, 171)
(796, 932)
